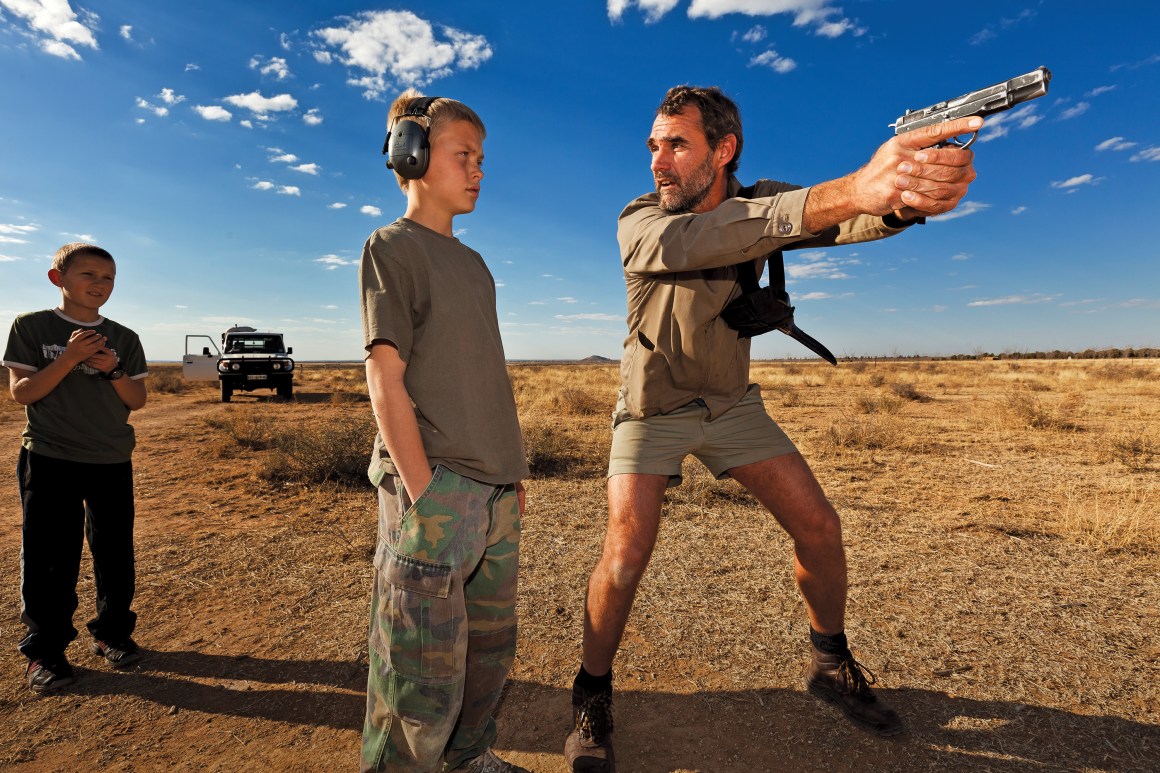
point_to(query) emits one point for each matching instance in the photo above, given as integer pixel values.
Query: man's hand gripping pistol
(984, 102)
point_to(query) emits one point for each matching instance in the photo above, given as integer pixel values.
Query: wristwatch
(113, 374)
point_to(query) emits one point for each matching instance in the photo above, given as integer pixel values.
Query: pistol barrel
(984, 102)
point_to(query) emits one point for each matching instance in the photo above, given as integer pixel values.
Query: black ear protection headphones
(408, 143)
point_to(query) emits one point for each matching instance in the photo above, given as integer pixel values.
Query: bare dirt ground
(1001, 519)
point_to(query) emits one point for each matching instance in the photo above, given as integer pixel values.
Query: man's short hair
(65, 256)
(720, 115)
(439, 113)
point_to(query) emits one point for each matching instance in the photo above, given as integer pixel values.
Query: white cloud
(567, 299)
(1115, 143)
(817, 13)
(274, 67)
(654, 10)
(1019, 210)
(964, 209)
(10, 228)
(312, 117)
(191, 66)
(213, 112)
(54, 25)
(332, 262)
(999, 125)
(773, 61)
(1008, 300)
(1099, 90)
(1076, 110)
(960, 256)
(157, 110)
(8, 258)
(1150, 153)
(592, 317)
(336, 205)
(289, 190)
(373, 211)
(398, 47)
(170, 97)
(261, 106)
(263, 185)
(127, 31)
(282, 158)
(247, 123)
(818, 267)
(311, 169)
(1072, 182)
(754, 35)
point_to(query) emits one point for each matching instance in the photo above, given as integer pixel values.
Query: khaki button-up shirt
(681, 270)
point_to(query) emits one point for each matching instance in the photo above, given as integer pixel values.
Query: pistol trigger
(954, 142)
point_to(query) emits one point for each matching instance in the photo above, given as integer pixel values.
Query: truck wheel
(227, 392)
(286, 391)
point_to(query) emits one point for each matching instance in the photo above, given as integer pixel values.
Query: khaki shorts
(657, 445)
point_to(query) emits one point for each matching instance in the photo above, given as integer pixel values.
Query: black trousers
(64, 503)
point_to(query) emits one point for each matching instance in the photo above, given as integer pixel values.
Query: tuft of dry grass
(1112, 520)
(1032, 412)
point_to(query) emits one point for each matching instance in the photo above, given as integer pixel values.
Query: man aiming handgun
(685, 373)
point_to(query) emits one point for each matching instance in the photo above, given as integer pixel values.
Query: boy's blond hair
(65, 256)
(439, 113)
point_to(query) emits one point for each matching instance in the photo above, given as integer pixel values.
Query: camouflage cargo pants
(443, 622)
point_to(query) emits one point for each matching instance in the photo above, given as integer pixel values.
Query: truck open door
(200, 366)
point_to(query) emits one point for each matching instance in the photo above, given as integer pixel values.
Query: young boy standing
(448, 461)
(79, 376)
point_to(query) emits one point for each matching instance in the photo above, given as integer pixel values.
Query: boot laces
(850, 673)
(594, 717)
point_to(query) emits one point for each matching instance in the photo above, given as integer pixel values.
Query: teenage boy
(79, 375)
(448, 461)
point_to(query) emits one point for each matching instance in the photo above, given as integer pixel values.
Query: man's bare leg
(789, 490)
(786, 486)
(634, 515)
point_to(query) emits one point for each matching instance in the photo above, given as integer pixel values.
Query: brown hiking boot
(841, 681)
(588, 748)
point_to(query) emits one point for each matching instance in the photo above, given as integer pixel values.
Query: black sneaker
(120, 655)
(840, 680)
(588, 748)
(47, 675)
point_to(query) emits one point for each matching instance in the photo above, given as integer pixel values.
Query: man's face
(683, 165)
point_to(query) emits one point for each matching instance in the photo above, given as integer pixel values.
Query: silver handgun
(984, 102)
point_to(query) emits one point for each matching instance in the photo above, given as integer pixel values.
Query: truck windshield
(253, 344)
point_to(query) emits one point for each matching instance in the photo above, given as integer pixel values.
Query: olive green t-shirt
(434, 299)
(83, 418)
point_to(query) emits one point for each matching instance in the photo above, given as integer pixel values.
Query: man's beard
(688, 194)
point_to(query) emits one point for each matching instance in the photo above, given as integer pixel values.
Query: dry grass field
(1002, 521)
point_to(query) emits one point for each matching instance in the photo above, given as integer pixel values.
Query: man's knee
(622, 567)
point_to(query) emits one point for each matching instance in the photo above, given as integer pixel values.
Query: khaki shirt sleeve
(653, 241)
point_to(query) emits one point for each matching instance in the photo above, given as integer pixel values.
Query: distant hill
(597, 359)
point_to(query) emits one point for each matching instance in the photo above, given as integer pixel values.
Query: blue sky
(228, 155)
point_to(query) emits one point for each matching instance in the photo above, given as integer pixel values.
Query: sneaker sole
(829, 697)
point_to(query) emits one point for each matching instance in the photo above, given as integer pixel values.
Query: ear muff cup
(409, 151)
(408, 145)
